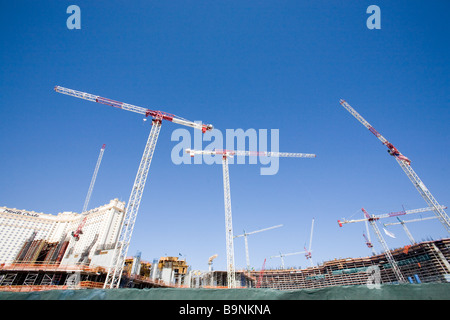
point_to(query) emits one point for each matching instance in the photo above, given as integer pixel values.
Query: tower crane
(390, 215)
(367, 238)
(282, 255)
(231, 278)
(76, 234)
(372, 219)
(307, 252)
(94, 177)
(121, 248)
(405, 164)
(261, 273)
(245, 235)
(369, 243)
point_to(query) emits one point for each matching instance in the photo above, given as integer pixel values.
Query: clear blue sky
(235, 64)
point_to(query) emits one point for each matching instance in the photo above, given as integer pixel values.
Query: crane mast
(231, 273)
(308, 253)
(372, 219)
(387, 252)
(94, 177)
(405, 164)
(115, 270)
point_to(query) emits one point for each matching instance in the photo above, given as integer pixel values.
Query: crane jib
(375, 132)
(147, 112)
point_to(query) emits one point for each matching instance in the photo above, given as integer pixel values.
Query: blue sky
(235, 64)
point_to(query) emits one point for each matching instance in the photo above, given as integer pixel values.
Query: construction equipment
(372, 219)
(403, 223)
(282, 255)
(367, 238)
(369, 243)
(245, 234)
(390, 215)
(405, 164)
(116, 268)
(261, 273)
(231, 278)
(307, 252)
(76, 234)
(210, 260)
(94, 177)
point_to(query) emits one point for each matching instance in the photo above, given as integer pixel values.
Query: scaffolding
(424, 262)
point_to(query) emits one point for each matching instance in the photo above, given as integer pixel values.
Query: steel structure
(390, 215)
(372, 219)
(94, 177)
(246, 234)
(405, 164)
(308, 252)
(261, 273)
(231, 278)
(116, 268)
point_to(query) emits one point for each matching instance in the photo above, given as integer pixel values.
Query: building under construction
(422, 262)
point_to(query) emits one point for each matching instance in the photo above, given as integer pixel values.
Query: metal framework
(115, 272)
(231, 272)
(387, 252)
(372, 218)
(405, 164)
(231, 279)
(94, 177)
(390, 215)
(117, 263)
(246, 234)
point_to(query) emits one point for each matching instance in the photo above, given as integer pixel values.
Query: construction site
(90, 249)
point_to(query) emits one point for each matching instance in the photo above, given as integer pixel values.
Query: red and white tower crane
(231, 278)
(405, 164)
(116, 268)
(261, 273)
(384, 216)
(308, 253)
(94, 177)
(76, 234)
(245, 235)
(368, 242)
(372, 219)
